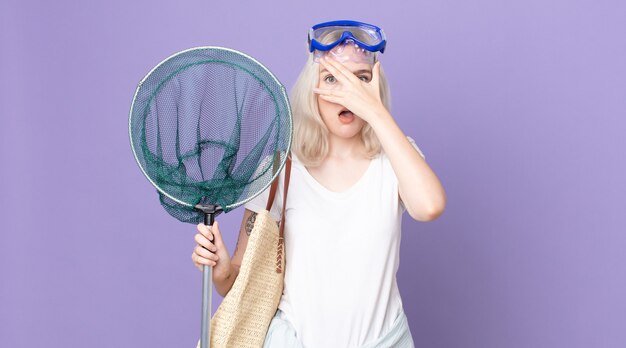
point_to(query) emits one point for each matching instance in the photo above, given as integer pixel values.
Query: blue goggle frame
(380, 38)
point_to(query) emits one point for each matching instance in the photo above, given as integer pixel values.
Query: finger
(329, 92)
(200, 261)
(337, 69)
(376, 74)
(205, 231)
(194, 260)
(332, 99)
(203, 253)
(337, 64)
(204, 242)
(218, 241)
(203, 261)
(322, 91)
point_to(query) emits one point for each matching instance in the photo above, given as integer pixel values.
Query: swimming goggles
(325, 36)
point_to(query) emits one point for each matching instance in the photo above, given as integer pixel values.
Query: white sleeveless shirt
(342, 252)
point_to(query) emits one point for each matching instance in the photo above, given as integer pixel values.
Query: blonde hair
(310, 140)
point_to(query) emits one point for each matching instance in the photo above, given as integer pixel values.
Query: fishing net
(210, 128)
(206, 127)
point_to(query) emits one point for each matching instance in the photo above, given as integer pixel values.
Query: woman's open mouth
(346, 116)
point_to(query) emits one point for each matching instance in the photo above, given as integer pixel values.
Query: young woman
(354, 173)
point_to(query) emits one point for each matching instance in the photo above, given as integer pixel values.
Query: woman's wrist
(378, 116)
(223, 282)
(223, 275)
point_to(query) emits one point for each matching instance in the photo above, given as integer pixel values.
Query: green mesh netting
(205, 127)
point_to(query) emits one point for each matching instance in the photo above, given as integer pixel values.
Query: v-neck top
(337, 194)
(342, 253)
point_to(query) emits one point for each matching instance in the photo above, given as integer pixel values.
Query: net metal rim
(213, 48)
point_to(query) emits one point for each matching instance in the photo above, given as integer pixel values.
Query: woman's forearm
(224, 284)
(420, 189)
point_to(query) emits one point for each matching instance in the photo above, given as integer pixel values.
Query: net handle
(210, 212)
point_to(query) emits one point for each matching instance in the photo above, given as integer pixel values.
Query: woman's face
(339, 120)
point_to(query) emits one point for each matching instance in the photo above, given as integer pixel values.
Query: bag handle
(274, 187)
(270, 201)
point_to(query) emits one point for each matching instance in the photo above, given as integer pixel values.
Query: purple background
(519, 107)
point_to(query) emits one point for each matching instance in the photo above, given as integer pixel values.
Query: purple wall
(519, 107)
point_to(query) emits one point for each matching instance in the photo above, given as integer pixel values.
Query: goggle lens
(343, 54)
(367, 35)
(326, 36)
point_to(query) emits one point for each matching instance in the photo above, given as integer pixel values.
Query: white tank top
(342, 252)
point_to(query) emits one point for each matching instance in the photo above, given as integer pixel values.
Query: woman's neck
(345, 147)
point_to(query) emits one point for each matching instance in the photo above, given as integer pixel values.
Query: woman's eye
(330, 79)
(364, 78)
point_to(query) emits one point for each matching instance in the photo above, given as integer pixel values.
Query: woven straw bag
(243, 317)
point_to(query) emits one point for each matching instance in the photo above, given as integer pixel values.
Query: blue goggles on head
(325, 36)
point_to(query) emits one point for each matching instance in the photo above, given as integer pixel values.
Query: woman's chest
(339, 176)
(316, 216)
